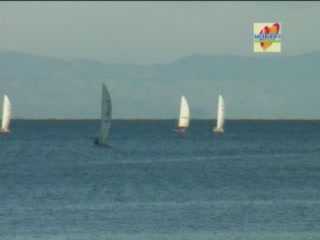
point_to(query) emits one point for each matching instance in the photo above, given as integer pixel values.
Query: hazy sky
(158, 32)
(151, 32)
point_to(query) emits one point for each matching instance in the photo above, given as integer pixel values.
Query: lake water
(260, 180)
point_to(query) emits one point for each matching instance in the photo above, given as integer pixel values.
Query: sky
(143, 32)
(155, 32)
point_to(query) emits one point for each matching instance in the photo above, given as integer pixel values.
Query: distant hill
(253, 87)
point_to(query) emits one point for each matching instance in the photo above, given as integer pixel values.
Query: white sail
(106, 114)
(220, 115)
(6, 114)
(184, 116)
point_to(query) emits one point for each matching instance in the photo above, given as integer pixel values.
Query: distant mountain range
(262, 87)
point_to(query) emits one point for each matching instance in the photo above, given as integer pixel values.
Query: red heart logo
(274, 29)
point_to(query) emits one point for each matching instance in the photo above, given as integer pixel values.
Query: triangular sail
(220, 114)
(6, 114)
(184, 116)
(106, 114)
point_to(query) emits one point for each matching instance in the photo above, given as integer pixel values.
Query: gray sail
(106, 114)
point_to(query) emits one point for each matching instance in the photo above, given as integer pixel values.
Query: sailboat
(106, 113)
(184, 116)
(220, 116)
(6, 115)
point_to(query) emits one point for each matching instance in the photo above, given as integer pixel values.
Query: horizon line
(168, 119)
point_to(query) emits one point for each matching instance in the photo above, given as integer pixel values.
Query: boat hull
(2, 131)
(218, 130)
(181, 129)
(98, 142)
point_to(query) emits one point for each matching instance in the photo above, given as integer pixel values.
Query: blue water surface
(259, 180)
